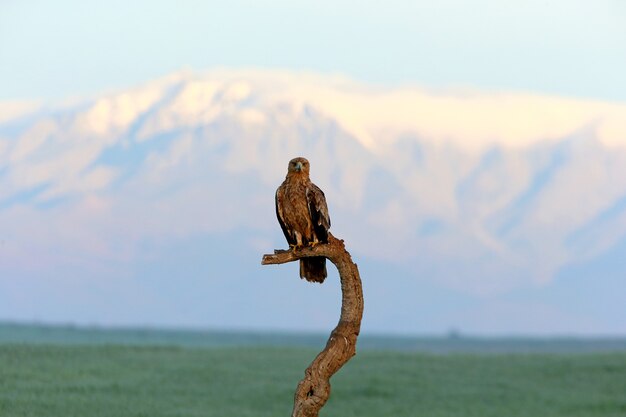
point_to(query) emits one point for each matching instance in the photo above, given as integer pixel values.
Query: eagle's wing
(318, 211)
(280, 192)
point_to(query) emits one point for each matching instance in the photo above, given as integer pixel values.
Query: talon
(314, 243)
(295, 247)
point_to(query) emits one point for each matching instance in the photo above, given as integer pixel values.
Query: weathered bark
(313, 391)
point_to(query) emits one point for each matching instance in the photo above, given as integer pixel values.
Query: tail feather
(313, 269)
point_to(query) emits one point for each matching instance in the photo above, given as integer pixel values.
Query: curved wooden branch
(314, 389)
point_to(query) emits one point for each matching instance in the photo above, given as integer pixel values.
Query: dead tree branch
(314, 389)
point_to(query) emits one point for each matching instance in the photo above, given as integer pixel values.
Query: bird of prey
(303, 215)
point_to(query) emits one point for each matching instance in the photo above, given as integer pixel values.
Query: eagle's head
(298, 166)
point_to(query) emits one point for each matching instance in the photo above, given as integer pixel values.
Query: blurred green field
(100, 380)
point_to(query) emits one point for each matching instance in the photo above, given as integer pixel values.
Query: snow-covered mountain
(483, 194)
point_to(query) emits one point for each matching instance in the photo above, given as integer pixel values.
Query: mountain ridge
(476, 209)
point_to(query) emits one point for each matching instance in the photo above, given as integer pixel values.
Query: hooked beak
(299, 166)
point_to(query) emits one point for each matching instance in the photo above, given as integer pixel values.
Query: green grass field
(100, 380)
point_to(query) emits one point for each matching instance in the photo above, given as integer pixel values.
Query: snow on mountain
(480, 192)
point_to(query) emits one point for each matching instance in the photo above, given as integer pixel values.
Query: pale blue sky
(64, 48)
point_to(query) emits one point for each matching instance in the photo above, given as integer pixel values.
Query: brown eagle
(303, 215)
